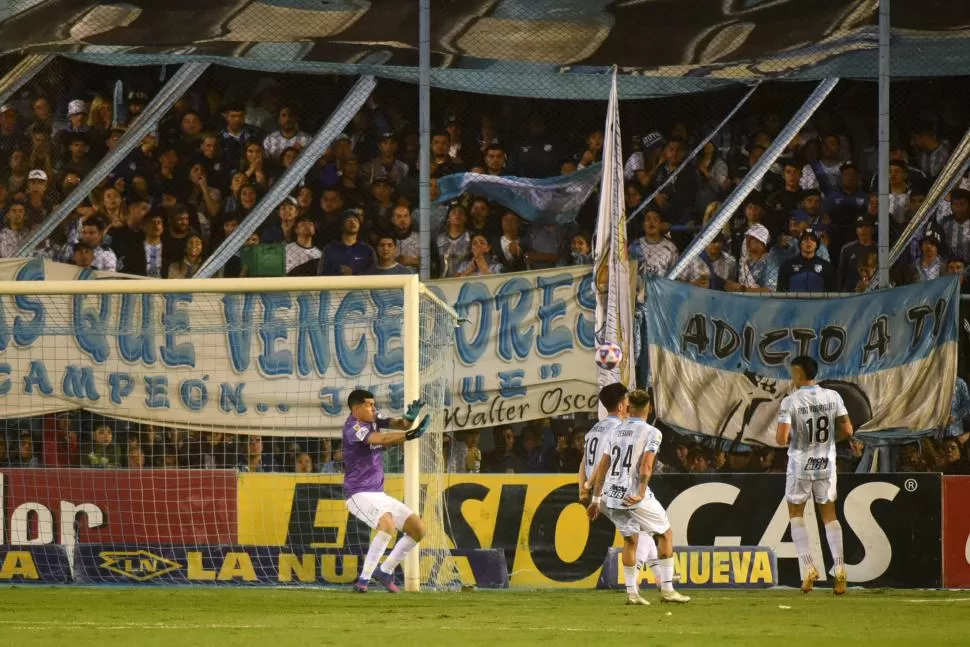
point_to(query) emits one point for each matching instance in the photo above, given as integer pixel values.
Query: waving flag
(614, 292)
(554, 200)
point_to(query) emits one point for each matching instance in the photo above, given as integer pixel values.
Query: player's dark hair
(808, 365)
(612, 395)
(639, 399)
(358, 396)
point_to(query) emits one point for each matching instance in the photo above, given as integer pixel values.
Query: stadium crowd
(808, 227)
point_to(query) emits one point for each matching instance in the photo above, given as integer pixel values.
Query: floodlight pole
(885, 261)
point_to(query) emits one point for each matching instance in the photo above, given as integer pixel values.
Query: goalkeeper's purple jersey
(363, 462)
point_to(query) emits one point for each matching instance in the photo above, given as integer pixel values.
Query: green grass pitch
(277, 618)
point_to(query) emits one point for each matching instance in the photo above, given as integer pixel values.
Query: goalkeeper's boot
(634, 598)
(674, 597)
(811, 576)
(841, 582)
(360, 586)
(387, 579)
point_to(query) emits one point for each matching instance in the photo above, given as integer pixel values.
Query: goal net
(190, 431)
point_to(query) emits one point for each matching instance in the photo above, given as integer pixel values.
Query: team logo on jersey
(818, 269)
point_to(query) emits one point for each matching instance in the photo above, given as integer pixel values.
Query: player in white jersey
(810, 422)
(613, 397)
(620, 483)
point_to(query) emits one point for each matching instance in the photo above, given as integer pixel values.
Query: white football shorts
(798, 490)
(369, 507)
(647, 516)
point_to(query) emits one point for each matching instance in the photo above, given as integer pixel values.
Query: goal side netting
(190, 431)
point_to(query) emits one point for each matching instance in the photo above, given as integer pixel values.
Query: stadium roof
(542, 48)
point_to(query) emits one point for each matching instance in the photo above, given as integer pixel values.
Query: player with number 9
(810, 422)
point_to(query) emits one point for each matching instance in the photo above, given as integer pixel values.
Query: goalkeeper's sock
(833, 532)
(799, 536)
(377, 548)
(403, 546)
(632, 576)
(664, 572)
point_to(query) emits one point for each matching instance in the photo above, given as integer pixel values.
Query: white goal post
(415, 297)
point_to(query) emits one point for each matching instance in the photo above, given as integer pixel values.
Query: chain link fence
(518, 90)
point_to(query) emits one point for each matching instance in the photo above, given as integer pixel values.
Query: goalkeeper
(364, 446)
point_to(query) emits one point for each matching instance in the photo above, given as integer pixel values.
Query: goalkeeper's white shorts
(647, 516)
(369, 507)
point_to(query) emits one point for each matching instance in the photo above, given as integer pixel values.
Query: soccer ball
(608, 356)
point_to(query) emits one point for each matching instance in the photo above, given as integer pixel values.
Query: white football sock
(664, 572)
(401, 550)
(646, 548)
(632, 576)
(799, 535)
(833, 532)
(377, 547)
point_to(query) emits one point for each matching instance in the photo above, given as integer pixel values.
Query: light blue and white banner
(554, 200)
(283, 363)
(721, 362)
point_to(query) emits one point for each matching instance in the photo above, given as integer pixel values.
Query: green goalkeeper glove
(414, 410)
(418, 431)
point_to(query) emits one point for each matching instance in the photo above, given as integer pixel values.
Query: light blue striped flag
(554, 200)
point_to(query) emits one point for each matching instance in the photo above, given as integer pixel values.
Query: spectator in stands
(442, 161)
(150, 256)
(331, 457)
(283, 230)
(83, 256)
(289, 134)
(210, 156)
(714, 175)
(191, 260)
(482, 262)
(681, 453)
(699, 460)
(453, 246)
(955, 228)
(348, 255)
(92, 233)
(302, 463)
(11, 131)
(713, 267)
(464, 455)
(807, 272)
(386, 164)
(254, 166)
(933, 152)
(654, 253)
(951, 458)
(330, 221)
(254, 459)
(381, 202)
(16, 234)
(496, 159)
(825, 173)
(511, 247)
(15, 175)
(408, 240)
(677, 199)
(789, 196)
(236, 135)
(61, 444)
(899, 193)
(104, 452)
(849, 193)
(168, 179)
(302, 251)
(480, 219)
(959, 412)
(930, 264)
(136, 457)
(387, 255)
(503, 458)
(788, 245)
(26, 457)
(77, 160)
(534, 451)
(580, 247)
(854, 252)
(205, 199)
(38, 201)
(759, 273)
